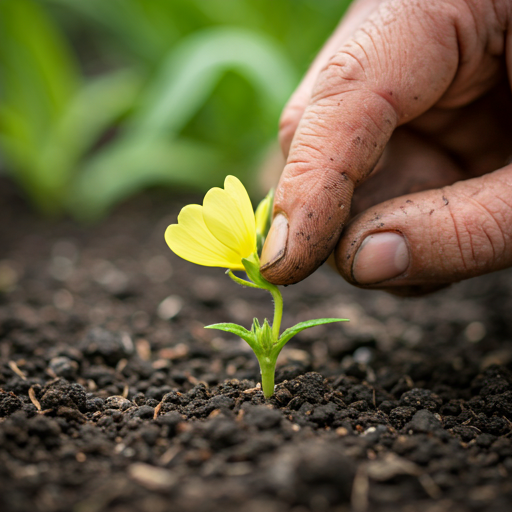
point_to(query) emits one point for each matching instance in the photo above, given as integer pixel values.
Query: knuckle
(343, 71)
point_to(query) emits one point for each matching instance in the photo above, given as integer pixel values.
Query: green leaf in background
(194, 67)
(39, 78)
(143, 30)
(150, 151)
(96, 107)
(122, 169)
(100, 99)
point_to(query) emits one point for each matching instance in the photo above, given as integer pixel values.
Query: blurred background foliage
(100, 99)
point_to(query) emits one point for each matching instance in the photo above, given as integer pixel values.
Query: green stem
(268, 370)
(278, 311)
(242, 282)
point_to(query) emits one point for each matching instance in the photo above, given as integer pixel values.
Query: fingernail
(275, 244)
(381, 256)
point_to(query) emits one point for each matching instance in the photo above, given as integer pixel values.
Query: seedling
(225, 232)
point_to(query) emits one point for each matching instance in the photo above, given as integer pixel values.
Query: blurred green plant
(100, 99)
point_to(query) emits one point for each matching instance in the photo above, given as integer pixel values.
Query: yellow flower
(218, 234)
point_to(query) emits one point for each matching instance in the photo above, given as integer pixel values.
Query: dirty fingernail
(275, 244)
(381, 256)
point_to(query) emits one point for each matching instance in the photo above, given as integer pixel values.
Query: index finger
(395, 67)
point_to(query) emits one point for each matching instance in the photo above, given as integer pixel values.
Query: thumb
(360, 96)
(431, 238)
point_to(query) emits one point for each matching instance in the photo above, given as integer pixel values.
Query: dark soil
(114, 397)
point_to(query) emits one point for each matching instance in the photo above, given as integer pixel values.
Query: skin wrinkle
(349, 54)
(310, 132)
(299, 172)
(394, 109)
(299, 143)
(383, 39)
(336, 72)
(326, 96)
(509, 206)
(449, 206)
(471, 244)
(309, 146)
(356, 42)
(367, 129)
(499, 230)
(363, 30)
(299, 162)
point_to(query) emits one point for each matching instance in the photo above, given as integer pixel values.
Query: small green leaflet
(292, 331)
(252, 269)
(246, 335)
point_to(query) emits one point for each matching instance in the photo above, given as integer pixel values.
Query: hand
(393, 141)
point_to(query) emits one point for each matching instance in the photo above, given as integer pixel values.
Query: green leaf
(265, 338)
(287, 335)
(131, 165)
(246, 335)
(255, 325)
(39, 78)
(39, 71)
(96, 107)
(146, 30)
(197, 64)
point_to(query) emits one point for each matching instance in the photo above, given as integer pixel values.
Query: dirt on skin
(113, 396)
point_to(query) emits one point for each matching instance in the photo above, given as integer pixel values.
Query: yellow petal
(223, 218)
(191, 240)
(237, 192)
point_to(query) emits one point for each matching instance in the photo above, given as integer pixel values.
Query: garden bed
(115, 398)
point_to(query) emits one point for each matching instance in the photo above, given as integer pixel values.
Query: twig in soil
(169, 455)
(360, 490)
(151, 477)
(121, 365)
(157, 410)
(33, 399)
(191, 379)
(81, 457)
(430, 487)
(14, 367)
(126, 390)
(178, 351)
(251, 391)
(503, 470)
(143, 349)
